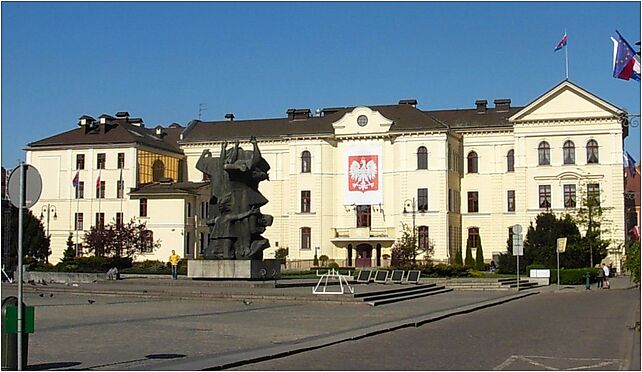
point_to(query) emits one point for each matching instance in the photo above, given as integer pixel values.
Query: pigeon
(91, 301)
(94, 281)
(50, 294)
(247, 302)
(43, 282)
(42, 295)
(32, 282)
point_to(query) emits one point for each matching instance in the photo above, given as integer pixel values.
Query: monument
(235, 247)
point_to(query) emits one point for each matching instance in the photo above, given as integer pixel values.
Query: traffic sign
(518, 245)
(32, 186)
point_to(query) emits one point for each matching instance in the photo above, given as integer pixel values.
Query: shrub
(324, 260)
(333, 265)
(470, 261)
(574, 276)
(148, 267)
(443, 270)
(479, 257)
(94, 264)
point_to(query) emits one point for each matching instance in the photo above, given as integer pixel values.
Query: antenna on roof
(201, 108)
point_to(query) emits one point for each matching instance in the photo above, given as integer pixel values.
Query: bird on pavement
(50, 294)
(43, 282)
(247, 302)
(91, 301)
(42, 295)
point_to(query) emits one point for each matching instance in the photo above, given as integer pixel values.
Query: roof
(405, 117)
(118, 131)
(178, 188)
(470, 118)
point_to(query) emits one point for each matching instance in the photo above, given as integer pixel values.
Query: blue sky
(160, 60)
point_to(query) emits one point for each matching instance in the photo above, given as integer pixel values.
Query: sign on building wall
(363, 175)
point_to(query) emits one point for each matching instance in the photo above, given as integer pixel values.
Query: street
(574, 330)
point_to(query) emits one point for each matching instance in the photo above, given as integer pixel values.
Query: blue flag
(562, 43)
(631, 164)
(625, 65)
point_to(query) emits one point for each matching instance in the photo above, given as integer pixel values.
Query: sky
(160, 60)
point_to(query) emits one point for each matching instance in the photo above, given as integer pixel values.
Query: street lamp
(408, 203)
(49, 208)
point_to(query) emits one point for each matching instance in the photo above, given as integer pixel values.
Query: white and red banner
(363, 169)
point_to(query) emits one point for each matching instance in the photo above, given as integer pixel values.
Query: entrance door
(364, 255)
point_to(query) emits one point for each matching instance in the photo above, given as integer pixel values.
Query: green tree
(404, 251)
(540, 245)
(632, 260)
(70, 252)
(35, 243)
(127, 240)
(458, 259)
(470, 261)
(479, 257)
(590, 217)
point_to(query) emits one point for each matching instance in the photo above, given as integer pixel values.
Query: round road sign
(32, 187)
(517, 229)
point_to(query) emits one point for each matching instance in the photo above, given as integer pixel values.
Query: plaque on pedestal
(234, 269)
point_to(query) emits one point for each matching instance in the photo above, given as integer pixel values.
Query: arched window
(158, 170)
(472, 162)
(422, 234)
(569, 152)
(306, 234)
(306, 162)
(422, 158)
(510, 161)
(544, 153)
(592, 154)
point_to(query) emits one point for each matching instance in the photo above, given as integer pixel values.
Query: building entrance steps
(483, 284)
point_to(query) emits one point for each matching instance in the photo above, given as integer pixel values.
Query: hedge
(574, 276)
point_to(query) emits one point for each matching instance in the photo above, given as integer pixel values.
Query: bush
(148, 267)
(324, 260)
(94, 264)
(534, 267)
(574, 276)
(444, 270)
(333, 265)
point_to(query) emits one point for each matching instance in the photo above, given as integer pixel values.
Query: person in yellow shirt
(173, 259)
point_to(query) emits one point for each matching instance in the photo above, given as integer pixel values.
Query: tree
(470, 261)
(632, 260)
(35, 243)
(119, 241)
(405, 250)
(458, 259)
(70, 252)
(479, 257)
(590, 217)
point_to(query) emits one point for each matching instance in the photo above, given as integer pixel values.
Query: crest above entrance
(362, 120)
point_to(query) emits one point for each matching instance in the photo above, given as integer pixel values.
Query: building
(344, 181)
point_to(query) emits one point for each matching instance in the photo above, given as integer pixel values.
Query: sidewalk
(617, 283)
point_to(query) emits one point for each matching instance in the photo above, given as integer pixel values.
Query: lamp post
(49, 208)
(411, 203)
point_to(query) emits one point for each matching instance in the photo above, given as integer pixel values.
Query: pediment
(566, 101)
(351, 124)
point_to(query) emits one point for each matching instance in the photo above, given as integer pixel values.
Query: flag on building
(635, 232)
(98, 181)
(625, 64)
(74, 182)
(630, 164)
(562, 43)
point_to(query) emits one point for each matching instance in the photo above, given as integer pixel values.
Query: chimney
(86, 120)
(329, 110)
(481, 106)
(122, 114)
(410, 102)
(136, 121)
(229, 117)
(298, 114)
(502, 104)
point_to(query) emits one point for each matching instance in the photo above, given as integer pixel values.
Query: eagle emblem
(363, 173)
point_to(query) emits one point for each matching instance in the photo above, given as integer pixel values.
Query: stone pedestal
(234, 269)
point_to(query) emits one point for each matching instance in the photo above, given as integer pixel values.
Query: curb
(235, 359)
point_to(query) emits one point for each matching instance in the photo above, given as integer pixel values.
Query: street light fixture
(49, 208)
(410, 203)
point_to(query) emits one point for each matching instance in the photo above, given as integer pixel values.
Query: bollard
(588, 280)
(10, 337)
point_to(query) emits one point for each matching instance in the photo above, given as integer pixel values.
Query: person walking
(606, 270)
(173, 259)
(600, 276)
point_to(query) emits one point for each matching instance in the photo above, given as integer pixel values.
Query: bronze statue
(235, 219)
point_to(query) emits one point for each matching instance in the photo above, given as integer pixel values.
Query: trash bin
(10, 338)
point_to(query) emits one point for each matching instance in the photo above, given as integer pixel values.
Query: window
(422, 158)
(472, 162)
(569, 196)
(100, 161)
(422, 200)
(120, 189)
(306, 162)
(148, 241)
(143, 208)
(569, 152)
(473, 201)
(510, 161)
(119, 219)
(158, 170)
(80, 190)
(189, 209)
(80, 161)
(203, 210)
(593, 193)
(202, 246)
(592, 154)
(363, 216)
(450, 200)
(121, 160)
(100, 190)
(545, 196)
(422, 234)
(305, 201)
(306, 234)
(100, 220)
(544, 153)
(79, 221)
(473, 237)
(78, 248)
(450, 160)
(511, 200)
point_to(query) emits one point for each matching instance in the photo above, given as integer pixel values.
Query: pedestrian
(600, 276)
(173, 259)
(605, 268)
(493, 267)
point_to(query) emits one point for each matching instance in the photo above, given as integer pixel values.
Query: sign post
(518, 247)
(561, 247)
(25, 186)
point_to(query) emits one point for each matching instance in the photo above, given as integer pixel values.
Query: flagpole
(566, 53)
